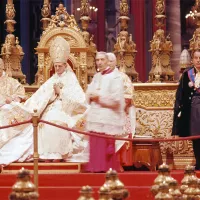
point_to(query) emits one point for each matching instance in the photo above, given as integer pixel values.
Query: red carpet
(67, 186)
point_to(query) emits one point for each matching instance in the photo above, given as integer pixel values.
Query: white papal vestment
(53, 143)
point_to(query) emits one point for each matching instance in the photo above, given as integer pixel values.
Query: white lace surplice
(109, 88)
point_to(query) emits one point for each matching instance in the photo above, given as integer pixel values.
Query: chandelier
(92, 9)
(92, 12)
(190, 19)
(191, 14)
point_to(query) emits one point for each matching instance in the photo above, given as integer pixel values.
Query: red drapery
(153, 16)
(101, 26)
(138, 13)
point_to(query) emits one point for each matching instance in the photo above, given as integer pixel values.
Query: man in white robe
(105, 116)
(59, 100)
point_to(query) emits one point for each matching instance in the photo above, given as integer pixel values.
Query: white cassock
(109, 88)
(65, 110)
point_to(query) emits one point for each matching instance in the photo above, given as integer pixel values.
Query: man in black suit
(187, 105)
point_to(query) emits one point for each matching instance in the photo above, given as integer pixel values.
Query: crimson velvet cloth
(102, 155)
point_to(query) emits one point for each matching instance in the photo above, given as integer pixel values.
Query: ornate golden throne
(83, 49)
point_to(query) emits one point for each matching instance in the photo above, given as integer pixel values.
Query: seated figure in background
(130, 113)
(11, 93)
(59, 100)
(11, 89)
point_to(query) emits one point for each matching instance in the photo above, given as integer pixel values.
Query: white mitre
(59, 50)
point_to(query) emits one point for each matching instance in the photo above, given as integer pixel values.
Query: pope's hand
(56, 89)
(8, 100)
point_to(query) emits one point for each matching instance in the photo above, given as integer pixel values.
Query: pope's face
(111, 63)
(59, 68)
(196, 59)
(101, 62)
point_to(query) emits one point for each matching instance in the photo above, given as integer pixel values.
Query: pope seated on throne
(59, 100)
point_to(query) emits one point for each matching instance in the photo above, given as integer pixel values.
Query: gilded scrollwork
(40, 75)
(124, 8)
(155, 98)
(195, 41)
(156, 123)
(11, 51)
(197, 5)
(85, 8)
(10, 11)
(154, 116)
(83, 69)
(177, 147)
(83, 58)
(47, 61)
(125, 43)
(46, 10)
(12, 54)
(160, 7)
(70, 39)
(77, 58)
(62, 19)
(125, 49)
(92, 45)
(86, 37)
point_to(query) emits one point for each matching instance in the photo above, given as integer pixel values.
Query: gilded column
(174, 28)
